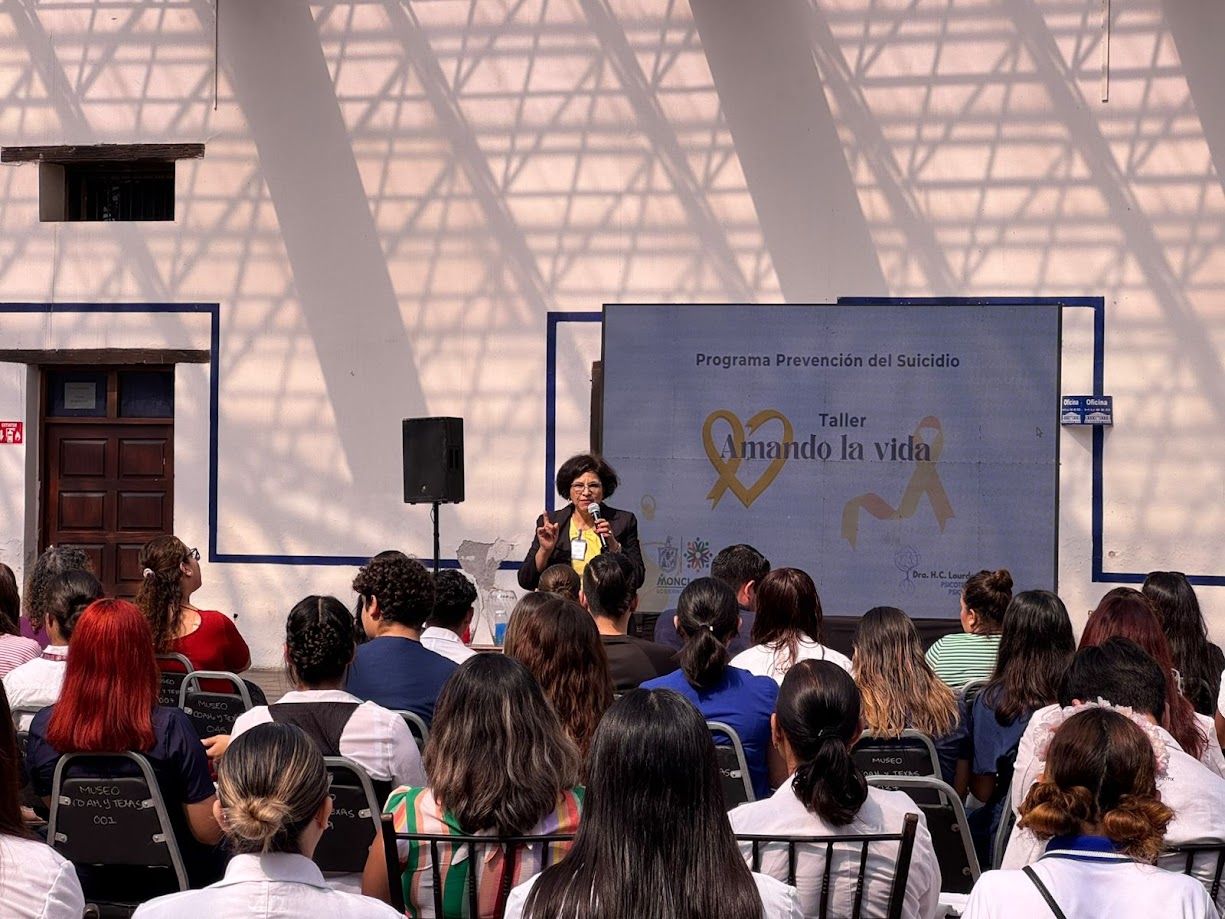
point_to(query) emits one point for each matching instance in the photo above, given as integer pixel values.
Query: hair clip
(829, 733)
(147, 573)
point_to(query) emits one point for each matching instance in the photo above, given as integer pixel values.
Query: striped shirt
(414, 810)
(963, 656)
(15, 651)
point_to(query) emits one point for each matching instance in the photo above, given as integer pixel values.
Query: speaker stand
(437, 550)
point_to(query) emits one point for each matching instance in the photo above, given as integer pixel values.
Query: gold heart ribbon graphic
(728, 467)
(924, 481)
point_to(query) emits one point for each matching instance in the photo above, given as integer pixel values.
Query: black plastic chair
(972, 689)
(1202, 859)
(901, 870)
(174, 669)
(416, 724)
(451, 850)
(213, 712)
(356, 805)
(23, 736)
(733, 768)
(98, 819)
(946, 821)
(911, 753)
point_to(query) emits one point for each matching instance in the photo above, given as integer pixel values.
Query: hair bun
(1137, 826)
(1001, 579)
(258, 819)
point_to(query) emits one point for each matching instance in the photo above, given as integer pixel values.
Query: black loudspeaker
(433, 460)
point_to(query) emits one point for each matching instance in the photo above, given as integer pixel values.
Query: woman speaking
(574, 535)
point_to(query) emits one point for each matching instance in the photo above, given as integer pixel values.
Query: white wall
(394, 195)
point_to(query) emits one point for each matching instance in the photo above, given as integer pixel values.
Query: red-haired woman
(1127, 613)
(109, 704)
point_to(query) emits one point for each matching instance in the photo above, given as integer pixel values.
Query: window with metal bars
(136, 190)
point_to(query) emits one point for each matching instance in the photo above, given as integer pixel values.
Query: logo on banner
(669, 556)
(697, 554)
(924, 481)
(737, 446)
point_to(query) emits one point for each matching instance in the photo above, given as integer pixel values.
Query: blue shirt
(740, 700)
(399, 673)
(992, 739)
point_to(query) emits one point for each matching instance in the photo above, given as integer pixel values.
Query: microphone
(594, 510)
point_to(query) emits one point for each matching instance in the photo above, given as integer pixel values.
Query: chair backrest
(465, 851)
(946, 821)
(1008, 819)
(213, 712)
(355, 817)
(1203, 859)
(733, 768)
(794, 844)
(174, 669)
(912, 753)
(972, 689)
(99, 819)
(416, 724)
(23, 734)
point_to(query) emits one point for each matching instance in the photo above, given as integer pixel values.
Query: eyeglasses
(589, 487)
(193, 554)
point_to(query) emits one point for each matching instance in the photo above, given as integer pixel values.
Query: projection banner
(889, 451)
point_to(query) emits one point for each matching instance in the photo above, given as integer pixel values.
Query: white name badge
(578, 549)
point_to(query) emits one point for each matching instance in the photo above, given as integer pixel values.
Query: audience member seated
(816, 722)
(454, 606)
(655, 840)
(109, 702)
(1099, 808)
(562, 580)
(1198, 661)
(207, 638)
(36, 882)
(788, 626)
(741, 568)
(394, 669)
(900, 691)
(37, 683)
(1120, 673)
(558, 643)
(707, 617)
(273, 805)
(1035, 648)
(55, 560)
(499, 764)
(970, 654)
(15, 649)
(319, 647)
(1127, 613)
(609, 595)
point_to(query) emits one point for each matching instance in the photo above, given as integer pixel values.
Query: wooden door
(108, 481)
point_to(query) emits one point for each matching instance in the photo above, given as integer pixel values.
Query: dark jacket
(624, 529)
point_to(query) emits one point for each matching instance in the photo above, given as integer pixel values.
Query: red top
(215, 645)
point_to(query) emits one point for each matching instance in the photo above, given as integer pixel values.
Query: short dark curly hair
(454, 595)
(402, 586)
(575, 466)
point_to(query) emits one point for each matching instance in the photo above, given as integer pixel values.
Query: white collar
(441, 634)
(272, 866)
(318, 695)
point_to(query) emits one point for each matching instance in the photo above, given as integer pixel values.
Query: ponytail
(818, 712)
(708, 618)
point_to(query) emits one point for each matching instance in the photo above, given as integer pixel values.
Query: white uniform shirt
(783, 814)
(36, 882)
(1090, 885)
(764, 660)
(37, 683)
(275, 886)
(778, 901)
(446, 643)
(1193, 792)
(375, 738)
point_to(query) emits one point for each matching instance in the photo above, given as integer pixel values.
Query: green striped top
(963, 656)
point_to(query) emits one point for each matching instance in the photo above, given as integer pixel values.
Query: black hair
(561, 579)
(1198, 660)
(1119, 671)
(66, 597)
(454, 596)
(707, 618)
(817, 710)
(319, 641)
(404, 589)
(10, 602)
(607, 586)
(575, 466)
(1035, 647)
(737, 565)
(666, 849)
(988, 593)
(55, 560)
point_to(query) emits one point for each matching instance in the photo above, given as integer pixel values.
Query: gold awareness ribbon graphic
(728, 467)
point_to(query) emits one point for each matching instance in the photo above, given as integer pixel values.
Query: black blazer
(624, 529)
